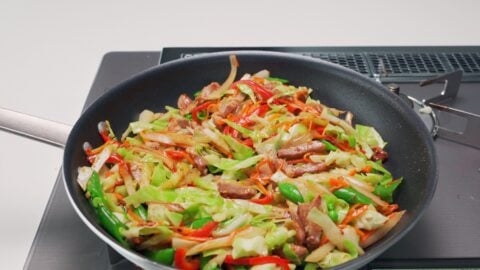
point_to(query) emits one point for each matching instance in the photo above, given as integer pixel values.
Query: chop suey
(250, 173)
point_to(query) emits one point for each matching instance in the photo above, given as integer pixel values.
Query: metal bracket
(471, 135)
(450, 89)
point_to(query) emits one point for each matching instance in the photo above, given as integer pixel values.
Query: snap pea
(141, 212)
(291, 192)
(107, 219)
(164, 256)
(352, 196)
(330, 202)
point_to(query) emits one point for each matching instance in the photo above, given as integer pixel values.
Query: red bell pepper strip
(200, 108)
(291, 107)
(261, 91)
(248, 142)
(181, 261)
(122, 165)
(204, 231)
(344, 146)
(268, 198)
(261, 110)
(283, 263)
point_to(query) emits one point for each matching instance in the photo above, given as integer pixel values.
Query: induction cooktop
(447, 236)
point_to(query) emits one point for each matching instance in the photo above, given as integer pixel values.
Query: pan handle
(33, 127)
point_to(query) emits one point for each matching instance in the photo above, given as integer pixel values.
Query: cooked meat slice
(302, 94)
(379, 154)
(299, 231)
(183, 102)
(299, 151)
(200, 163)
(230, 105)
(176, 124)
(300, 251)
(207, 90)
(235, 191)
(298, 170)
(313, 232)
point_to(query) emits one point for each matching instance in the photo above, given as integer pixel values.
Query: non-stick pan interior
(409, 145)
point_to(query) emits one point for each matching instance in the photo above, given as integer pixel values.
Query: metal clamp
(471, 135)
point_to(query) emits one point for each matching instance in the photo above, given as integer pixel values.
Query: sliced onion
(101, 158)
(216, 94)
(393, 219)
(330, 229)
(156, 153)
(216, 140)
(358, 184)
(337, 121)
(262, 74)
(84, 174)
(211, 244)
(319, 253)
(172, 139)
(155, 240)
(178, 242)
(372, 196)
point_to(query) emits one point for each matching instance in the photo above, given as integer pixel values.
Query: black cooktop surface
(448, 235)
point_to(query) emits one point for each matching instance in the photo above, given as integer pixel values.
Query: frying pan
(410, 145)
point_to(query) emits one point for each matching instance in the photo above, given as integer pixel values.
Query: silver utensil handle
(43, 130)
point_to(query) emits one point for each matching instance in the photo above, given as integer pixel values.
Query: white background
(50, 51)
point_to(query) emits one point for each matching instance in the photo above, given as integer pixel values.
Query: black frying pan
(410, 146)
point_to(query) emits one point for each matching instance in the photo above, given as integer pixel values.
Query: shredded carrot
(261, 188)
(296, 161)
(239, 230)
(306, 157)
(134, 217)
(258, 79)
(324, 240)
(389, 209)
(119, 196)
(194, 238)
(366, 235)
(352, 172)
(189, 158)
(355, 211)
(367, 169)
(359, 232)
(338, 183)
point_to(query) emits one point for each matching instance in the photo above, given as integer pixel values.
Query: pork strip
(299, 151)
(235, 191)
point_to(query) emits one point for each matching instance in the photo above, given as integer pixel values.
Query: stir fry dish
(251, 173)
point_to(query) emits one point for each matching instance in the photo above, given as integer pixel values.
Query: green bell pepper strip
(352, 196)
(163, 256)
(291, 192)
(141, 212)
(276, 79)
(199, 223)
(385, 191)
(329, 146)
(107, 219)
